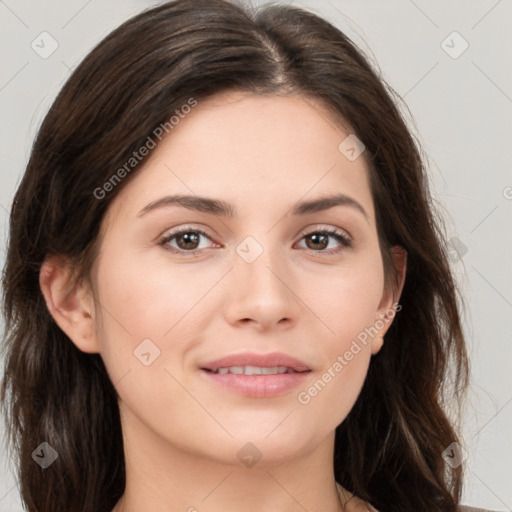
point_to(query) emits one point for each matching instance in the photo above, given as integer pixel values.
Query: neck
(162, 477)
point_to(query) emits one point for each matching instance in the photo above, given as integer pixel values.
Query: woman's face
(263, 280)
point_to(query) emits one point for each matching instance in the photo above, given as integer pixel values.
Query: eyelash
(340, 237)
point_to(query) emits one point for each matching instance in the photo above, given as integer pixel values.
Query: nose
(261, 293)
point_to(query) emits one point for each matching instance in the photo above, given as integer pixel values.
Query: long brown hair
(389, 449)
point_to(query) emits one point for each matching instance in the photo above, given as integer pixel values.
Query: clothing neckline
(346, 496)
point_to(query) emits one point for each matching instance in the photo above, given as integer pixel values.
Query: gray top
(467, 508)
(355, 503)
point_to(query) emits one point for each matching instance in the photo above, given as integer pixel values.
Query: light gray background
(461, 109)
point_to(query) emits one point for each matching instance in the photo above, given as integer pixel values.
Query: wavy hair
(388, 450)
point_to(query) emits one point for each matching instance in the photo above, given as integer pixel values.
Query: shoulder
(466, 508)
(354, 504)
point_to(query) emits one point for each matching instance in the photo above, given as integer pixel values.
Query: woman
(225, 286)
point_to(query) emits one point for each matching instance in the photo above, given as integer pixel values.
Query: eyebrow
(223, 209)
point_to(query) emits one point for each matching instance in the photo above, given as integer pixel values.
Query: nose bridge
(261, 283)
(257, 264)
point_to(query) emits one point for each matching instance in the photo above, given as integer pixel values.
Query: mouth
(253, 370)
(256, 375)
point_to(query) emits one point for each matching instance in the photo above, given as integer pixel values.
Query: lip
(257, 386)
(253, 359)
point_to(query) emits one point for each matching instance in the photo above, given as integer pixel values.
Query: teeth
(254, 370)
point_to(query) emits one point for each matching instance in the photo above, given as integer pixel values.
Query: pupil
(190, 238)
(315, 239)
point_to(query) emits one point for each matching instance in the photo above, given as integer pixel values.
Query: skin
(181, 434)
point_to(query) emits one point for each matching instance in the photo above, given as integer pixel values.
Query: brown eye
(185, 241)
(318, 241)
(188, 240)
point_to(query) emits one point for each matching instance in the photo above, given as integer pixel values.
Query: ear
(389, 303)
(70, 304)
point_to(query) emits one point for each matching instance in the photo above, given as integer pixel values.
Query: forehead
(254, 151)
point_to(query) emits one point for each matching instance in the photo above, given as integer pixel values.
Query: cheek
(141, 300)
(345, 354)
(345, 299)
(148, 322)
(328, 398)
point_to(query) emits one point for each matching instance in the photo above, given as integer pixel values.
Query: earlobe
(377, 343)
(69, 303)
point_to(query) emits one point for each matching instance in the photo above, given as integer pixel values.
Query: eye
(318, 240)
(187, 240)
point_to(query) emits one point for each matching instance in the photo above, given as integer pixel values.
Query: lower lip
(258, 386)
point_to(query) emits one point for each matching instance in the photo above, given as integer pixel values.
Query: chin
(251, 448)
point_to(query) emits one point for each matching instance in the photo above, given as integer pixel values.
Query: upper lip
(271, 360)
